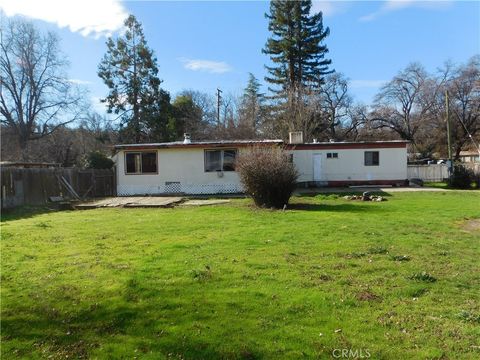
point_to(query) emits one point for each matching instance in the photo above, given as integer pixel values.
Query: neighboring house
(469, 156)
(208, 167)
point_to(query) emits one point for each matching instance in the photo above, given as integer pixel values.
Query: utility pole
(449, 137)
(219, 101)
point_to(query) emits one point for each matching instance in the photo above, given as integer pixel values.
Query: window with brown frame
(220, 160)
(372, 158)
(140, 162)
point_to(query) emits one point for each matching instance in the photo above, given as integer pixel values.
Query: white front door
(317, 167)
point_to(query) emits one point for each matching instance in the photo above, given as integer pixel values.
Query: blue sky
(203, 45)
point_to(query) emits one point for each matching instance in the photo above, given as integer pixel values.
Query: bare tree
(464, 94)
(36, 96)
(400, 104)
(335, 102)
(358, 125)
(300, 112)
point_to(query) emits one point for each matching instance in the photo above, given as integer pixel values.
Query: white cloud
(87, 17)
(328, 8)
(394, 5)
(98, 106)
(366, 83)
(214, 67)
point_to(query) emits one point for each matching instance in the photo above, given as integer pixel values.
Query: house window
(220, 160)
(332, 155)
(372, 158)
(141, 162)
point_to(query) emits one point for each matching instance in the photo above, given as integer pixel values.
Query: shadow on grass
(78, 335)
(25, 212)
(356, 206)
(339, 193)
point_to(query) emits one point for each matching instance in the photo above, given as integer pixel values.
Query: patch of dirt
(368, 296)
(472, 225)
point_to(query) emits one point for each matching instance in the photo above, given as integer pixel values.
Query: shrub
(462, 177)
(98, 160)
(267, 175)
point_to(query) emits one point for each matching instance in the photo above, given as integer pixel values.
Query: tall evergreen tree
(130, 71)
(297, 51)
(296, 47)
(251, 105)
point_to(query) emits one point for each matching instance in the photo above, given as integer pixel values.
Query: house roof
(469, 153)
(237, 143)
(349, 145)
(196, 144)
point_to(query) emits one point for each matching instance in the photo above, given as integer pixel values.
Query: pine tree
(251, 105)
(297, 51)
(130, 71)
(296, 47)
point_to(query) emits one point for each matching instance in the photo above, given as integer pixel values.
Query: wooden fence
(36, 186)
(435, 172)
(431, 173)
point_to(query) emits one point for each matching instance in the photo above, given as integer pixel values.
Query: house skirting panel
(344, 183)
(179, 188)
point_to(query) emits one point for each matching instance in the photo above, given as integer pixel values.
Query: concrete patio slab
(204, 202)
(131, 201)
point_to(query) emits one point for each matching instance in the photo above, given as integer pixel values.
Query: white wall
(184, 165)
(350, 164)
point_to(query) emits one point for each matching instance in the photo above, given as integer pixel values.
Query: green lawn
(399, 279)
(440, 185)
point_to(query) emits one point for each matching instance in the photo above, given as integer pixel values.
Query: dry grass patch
(472, 225)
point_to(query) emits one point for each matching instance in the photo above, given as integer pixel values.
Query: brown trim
(216, 149)
(342, 183)
(194, 146)
(138, 152)
(332, 146)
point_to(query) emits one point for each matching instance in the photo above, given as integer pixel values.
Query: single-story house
(208, 167)
(469, 156)
(351, 163)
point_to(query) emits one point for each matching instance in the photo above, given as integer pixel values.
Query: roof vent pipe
(332, 140)
(186, 138)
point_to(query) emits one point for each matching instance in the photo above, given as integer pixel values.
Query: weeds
(400, 258)
(202, 274)
(423, 276)
(468, 316)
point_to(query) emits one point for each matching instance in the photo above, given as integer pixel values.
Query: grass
(399, 278)
(439, 185)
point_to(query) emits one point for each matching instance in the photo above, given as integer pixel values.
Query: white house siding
(176, 165)
(349, 167)
(181, 168)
